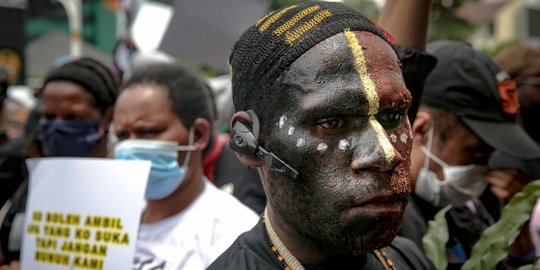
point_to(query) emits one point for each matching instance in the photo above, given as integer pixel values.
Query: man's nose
(372, 149)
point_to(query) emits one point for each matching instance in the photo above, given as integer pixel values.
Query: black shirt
(252, 250)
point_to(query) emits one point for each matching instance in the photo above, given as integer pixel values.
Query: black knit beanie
(93, 76)
(268, 48)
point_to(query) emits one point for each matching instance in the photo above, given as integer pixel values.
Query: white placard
(150, 24)
(83, 213)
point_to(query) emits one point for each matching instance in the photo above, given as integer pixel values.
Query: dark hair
(444, 122)
(520, 60)
(93, 76)
(3, 87)
(266, 49)
(188, 93)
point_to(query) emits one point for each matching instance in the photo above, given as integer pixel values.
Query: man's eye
(331, 123)
(48, 116)
(147, 133)
(122, 135)
(75, 117)
(391, 119)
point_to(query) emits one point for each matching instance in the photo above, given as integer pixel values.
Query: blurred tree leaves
(367, 7)
(495, 241)
(435, 239)
(445, 25)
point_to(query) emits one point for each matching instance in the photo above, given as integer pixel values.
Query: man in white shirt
(163, 114)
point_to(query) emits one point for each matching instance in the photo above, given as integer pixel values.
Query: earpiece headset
(246, 142)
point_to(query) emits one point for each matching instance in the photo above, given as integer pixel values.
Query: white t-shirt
(195, 237)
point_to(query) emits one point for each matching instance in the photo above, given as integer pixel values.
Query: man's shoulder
(249, 251)
(239, 257)
(405, 253)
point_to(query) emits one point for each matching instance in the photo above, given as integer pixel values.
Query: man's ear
(249, 161)
(202, 130)
(421, 126)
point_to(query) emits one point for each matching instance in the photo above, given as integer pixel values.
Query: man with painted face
(467, 111)
(164, 115)
(76, 104)
(321, 111)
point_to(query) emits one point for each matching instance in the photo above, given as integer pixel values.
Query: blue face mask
(70, 138)
(165, 174)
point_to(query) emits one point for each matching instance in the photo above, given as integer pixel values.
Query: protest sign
(83, 213)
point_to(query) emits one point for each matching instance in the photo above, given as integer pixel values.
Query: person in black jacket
(321, 111)
(467, 112)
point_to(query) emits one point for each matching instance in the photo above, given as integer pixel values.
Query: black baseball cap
(471, 86)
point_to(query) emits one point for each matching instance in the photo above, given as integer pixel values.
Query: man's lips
(382, 202)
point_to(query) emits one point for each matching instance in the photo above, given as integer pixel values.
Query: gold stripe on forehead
(361, 68)
(371, 94)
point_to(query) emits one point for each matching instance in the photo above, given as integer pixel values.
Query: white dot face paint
(282, 120)
(322, 147)
(291, 131)
(301, 142)
(403, 138)
(344, 145)
(393, 137)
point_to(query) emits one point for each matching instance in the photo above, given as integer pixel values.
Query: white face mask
(460, 184)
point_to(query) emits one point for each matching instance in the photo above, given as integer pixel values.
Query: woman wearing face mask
(163, 115)
(76, 105)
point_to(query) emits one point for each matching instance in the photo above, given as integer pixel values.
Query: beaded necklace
(289, 262)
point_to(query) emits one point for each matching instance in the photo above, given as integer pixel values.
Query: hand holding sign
(83, 213)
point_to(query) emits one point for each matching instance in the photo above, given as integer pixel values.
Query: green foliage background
(445, 25)
(494, 242)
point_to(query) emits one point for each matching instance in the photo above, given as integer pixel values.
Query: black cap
(468, 84)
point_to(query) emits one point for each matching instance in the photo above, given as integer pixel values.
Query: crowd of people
(348, 136)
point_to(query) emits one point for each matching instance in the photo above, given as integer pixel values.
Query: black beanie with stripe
(266, 49)
(93, 76)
